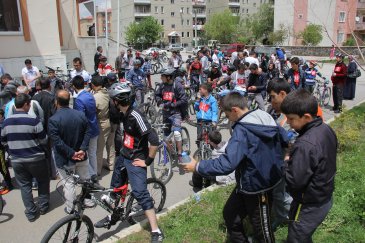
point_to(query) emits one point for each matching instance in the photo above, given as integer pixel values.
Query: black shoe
(33, 218)
(43, 211)
(191, 183)
(157, 237)
(104, 223)
(337, 111)
(94, 179)
(34, 185)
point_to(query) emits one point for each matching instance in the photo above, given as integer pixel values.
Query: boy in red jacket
(338, 79)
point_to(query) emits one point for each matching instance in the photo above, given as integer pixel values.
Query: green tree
(260, 24)
(144, 33)
(312, 35)
(278, 37)
(222, 27)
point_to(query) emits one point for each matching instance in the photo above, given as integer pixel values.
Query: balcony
(142, 2)
(142, 14)
(234, 3)
(198, 27)
(361, 5)
(198, 3)
(360, 26)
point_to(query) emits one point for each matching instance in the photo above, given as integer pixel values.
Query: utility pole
(106, 28)
(96, 25)
(196, 30)
(118, 28)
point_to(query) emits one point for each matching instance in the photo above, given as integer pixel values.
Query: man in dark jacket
(311, 168)
(70, 134)
(172, 99)
(295, 75)
(98, 54)
(255, 152)
(256, 84)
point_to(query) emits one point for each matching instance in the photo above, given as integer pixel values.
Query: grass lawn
(202, 221)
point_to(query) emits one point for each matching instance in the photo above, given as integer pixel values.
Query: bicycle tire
(1, 205)
(158, 201)
(161, 169)
(327, 96)
(192, 114)
(185, 140)
(151, 113)
(199, 155)
(317, 95)
(165, 58)
(154, 68)
(69, 219)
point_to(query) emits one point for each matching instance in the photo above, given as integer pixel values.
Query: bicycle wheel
(154, 68)
(151, 113)
(317, 95)
(162, 168)
(185, 140)
(202, 155)
(192, 114)
(327, 96)
(165, 59)
(1, 204)
(157, 190)
(71, 229)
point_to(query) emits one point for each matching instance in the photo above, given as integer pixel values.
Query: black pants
(4, 169)
(257, 208)
(337, 96)
(118, 141)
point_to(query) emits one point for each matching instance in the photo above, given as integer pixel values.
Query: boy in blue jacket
(255, 151)
(207, 109)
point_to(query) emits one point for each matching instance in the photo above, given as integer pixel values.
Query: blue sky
(84, 12)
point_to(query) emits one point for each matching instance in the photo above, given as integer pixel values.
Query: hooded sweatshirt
(255, 151)
(221, 149)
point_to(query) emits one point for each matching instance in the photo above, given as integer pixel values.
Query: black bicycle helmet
(215, 65)
(231, 67)
(339, 54)
(168, 72)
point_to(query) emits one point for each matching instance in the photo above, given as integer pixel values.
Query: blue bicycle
(167, 155)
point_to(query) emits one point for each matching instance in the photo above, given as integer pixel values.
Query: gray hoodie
(225, 179)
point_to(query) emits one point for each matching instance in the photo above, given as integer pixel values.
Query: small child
(311, 168)
(6, 186)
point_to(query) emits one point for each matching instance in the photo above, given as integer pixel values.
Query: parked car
(196, 49)
(175, 47)
(230, 48)
(149, 51)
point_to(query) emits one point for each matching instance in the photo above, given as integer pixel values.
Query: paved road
(14, 227)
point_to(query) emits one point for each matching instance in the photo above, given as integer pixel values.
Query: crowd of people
(283, 160)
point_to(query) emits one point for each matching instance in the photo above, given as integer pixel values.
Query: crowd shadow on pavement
(5, 217)
(113, 230)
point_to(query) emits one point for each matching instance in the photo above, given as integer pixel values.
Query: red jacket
(341, 73)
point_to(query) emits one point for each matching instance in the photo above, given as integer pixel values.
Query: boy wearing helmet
(135, 156)
(172, 98)
(137, 77)
(310, 76)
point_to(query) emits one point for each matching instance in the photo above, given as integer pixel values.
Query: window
(342, 17)
(187, 10)
(172, 1)
(182, 10)
(247, 11)
(182, 35)
(188, 34)
(156, 9)
(363, 18)
(162, 10)
(10, 17)
(188, 22)
(162, 22)
(163, 34)
(340, 36)
(182, 22)
(254, 4)
(173, 26)
(172, 14)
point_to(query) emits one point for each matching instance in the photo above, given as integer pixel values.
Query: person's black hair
(215, 137)
(241, 66)
(252, 53)
(244, 54)
(28, 61)
(6, 76)
(295, 60)
(51, 70)
(233, 99)
(21, 100)
(253, 66)
(98, 81)
(277, 85)
(99, 48)
(63, 101)
(207, 86)
(78, 82)
(77, 59)
(45, 83)
(300, 102)
(247, 64)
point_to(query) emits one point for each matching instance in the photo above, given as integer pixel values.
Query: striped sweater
(24, 137)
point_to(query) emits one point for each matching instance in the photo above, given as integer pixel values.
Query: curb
(337, 115)
(138, 227)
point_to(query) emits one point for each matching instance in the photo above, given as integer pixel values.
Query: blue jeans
(24, 173)
(137, 178)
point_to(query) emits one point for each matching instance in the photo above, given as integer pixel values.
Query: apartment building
(338, 18)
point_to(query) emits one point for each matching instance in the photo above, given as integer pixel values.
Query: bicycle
(323, 92)
(70, 228)
(167, 155)
(1, 204)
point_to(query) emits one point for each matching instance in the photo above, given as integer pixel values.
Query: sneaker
(43, 211)
(104, 223)
(68, 211)
(191, 183)
(89, 203)
(34, 217)
(157, 237)
(34, 185)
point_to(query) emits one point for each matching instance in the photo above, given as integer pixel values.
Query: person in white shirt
(79, 71)
(251, 59)
(215, 57)
(175, 61)
(30, 74)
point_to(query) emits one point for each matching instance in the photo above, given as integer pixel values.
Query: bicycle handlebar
(87, 182)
